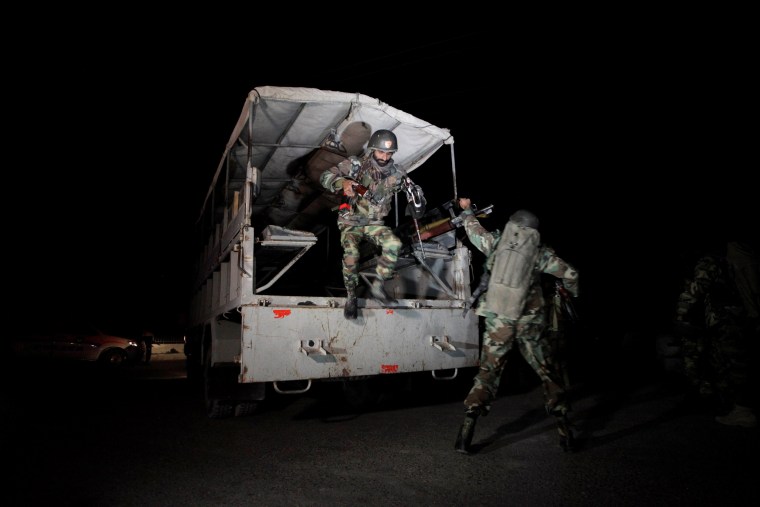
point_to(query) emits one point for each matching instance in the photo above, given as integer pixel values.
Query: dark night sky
(630, 150)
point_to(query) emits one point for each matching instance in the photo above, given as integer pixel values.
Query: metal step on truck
(266, 317)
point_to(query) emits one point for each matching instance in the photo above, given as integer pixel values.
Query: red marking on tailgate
(279, 314)
(388, 368)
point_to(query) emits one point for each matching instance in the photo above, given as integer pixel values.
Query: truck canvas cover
(279, 126)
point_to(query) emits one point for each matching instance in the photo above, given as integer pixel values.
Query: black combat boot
(350, 311)
(464, 438)
(566, 437)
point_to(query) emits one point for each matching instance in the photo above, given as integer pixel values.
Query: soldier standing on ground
(514, 311)
(717, 322)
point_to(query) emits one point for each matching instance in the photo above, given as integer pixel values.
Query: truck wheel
(219, 410)
(245, 408)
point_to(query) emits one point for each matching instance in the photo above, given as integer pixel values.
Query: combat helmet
(524, 218)
(383, 140)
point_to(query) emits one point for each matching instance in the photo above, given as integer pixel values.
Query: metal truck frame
(267, 302)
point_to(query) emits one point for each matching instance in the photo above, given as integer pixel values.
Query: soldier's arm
(335, 177)
(551, 263)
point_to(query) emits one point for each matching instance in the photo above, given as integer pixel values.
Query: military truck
(266, 317)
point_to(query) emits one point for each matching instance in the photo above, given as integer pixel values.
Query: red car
(78, 342)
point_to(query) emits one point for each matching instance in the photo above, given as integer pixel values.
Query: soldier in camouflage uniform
(716, 320)
(368, 184)
(515, 312)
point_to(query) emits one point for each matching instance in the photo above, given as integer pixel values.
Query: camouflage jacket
(708, 297)
(547, 262)
(382, 184)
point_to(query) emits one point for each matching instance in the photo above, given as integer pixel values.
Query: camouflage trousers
(716, 363)
(498, 337)
(381, 236)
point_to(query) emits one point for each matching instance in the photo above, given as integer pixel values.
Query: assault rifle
(346, 202)
(414, 195)
(448, 224)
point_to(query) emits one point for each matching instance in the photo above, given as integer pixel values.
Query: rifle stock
(444, 225)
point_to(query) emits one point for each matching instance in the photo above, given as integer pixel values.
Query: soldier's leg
(497, 340)
(731, 359)
(389, 244)
(536, 349)
(695, 350)
(350, 237)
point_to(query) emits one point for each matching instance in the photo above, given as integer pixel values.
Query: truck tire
(245, 408)
(217, 409)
